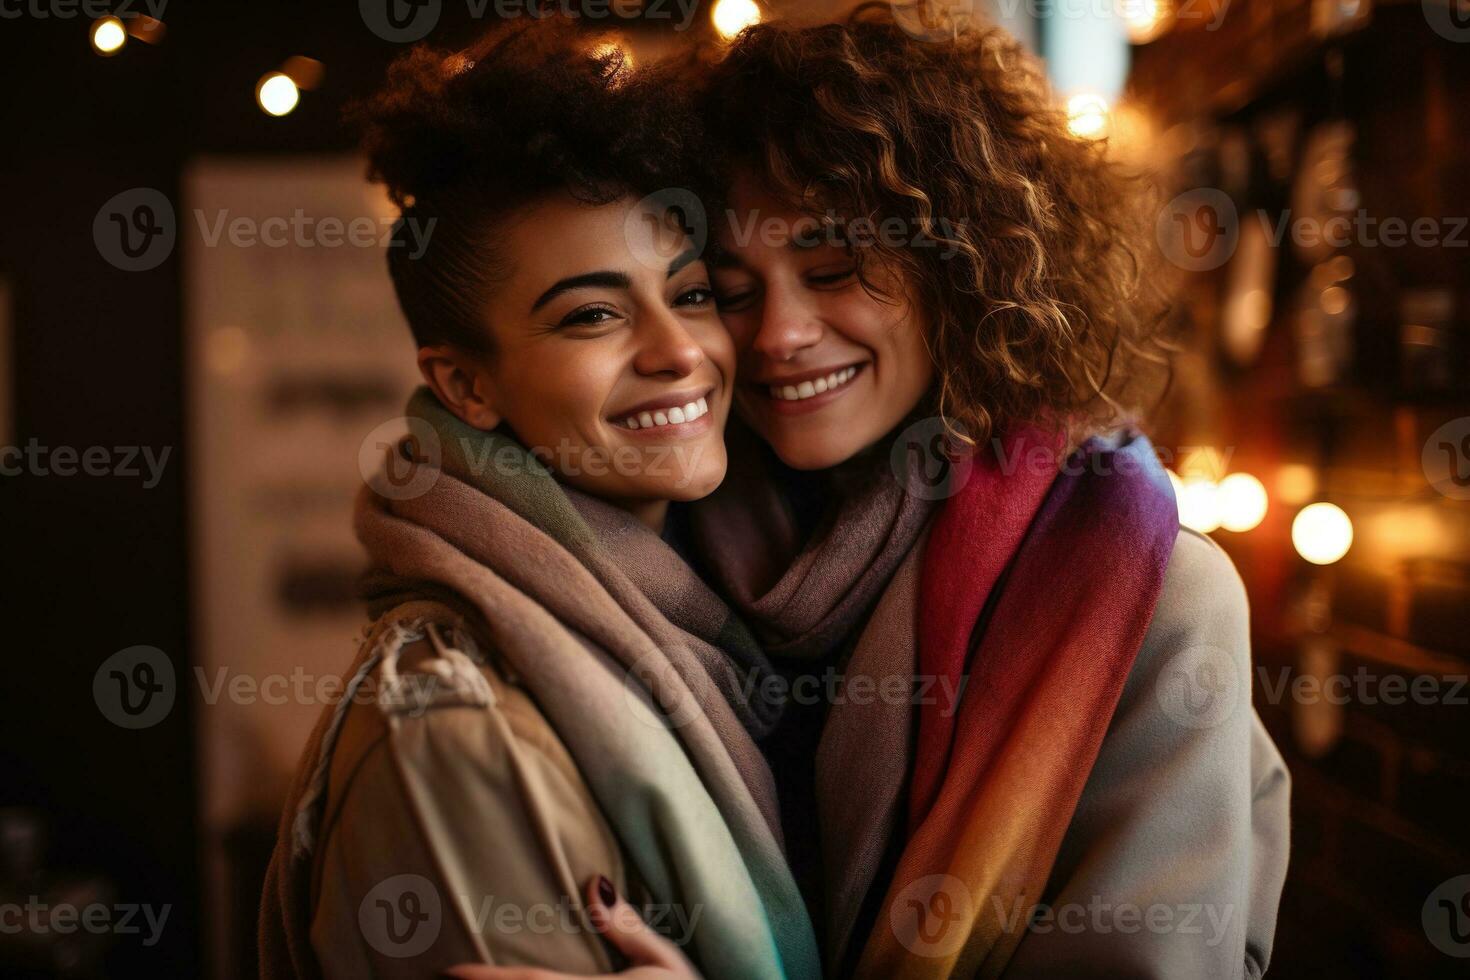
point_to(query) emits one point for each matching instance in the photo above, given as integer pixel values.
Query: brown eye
(589, 316)
(695, 296)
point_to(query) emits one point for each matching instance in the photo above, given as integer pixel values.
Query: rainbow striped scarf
(1038, 585)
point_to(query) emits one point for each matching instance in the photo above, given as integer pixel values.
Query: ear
(462, 384)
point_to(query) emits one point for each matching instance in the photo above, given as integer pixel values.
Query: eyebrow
(606, 279)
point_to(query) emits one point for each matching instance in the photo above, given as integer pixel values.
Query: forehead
(759, 228)
(559, 232)
(559, 236)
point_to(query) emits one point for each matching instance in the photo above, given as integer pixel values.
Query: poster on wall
(296, 352)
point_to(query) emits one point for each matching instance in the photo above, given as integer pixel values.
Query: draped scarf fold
(644, 674)
(805, 598)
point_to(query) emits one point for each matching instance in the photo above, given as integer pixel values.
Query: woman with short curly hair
(547, 724)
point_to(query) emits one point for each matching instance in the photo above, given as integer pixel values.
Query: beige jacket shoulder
(1176, 855)
(456, 827)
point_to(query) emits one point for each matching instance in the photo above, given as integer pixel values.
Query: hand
(650, 956)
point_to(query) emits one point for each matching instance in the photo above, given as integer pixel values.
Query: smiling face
(826, 367)
(606, 358)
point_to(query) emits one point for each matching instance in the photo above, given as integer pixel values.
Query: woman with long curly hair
(1033, 751)
(1077, 770)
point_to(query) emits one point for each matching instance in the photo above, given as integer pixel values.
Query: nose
(665, 346)
(787, 324)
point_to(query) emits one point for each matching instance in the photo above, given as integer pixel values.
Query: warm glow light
(1322, 533)
(277, 94)
(1087, 116)
(108, 35)
(1199, 504)
(1242, 500)
(1146, 19)
(1203, 462)
(730, 17)
(1295, 484)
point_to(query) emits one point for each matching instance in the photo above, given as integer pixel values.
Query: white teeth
(807, 389)
(677, 415)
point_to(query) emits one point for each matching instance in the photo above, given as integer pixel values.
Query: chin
(808, 454)
(703, 482)
(685, 474)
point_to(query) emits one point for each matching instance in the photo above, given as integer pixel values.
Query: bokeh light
(1242, 502)
(1199, 504)
(277, 94)
(1146, 19)
(1087, 116)
(108, 35)
(730, 17)
(1322, 533)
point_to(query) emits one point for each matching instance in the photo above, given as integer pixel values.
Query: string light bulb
(730, 17)
(277, 94)
(108, 36)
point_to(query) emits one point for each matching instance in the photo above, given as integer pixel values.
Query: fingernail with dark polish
(606, 892)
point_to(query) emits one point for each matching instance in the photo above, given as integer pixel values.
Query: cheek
(557, 395)
(905, 367)
(914, 357)
(741, 328)
(720, 348)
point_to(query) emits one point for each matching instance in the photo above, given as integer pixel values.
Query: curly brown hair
(464, 138)
(1041, 304)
